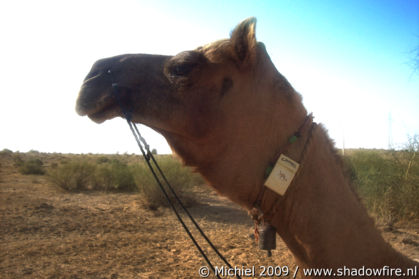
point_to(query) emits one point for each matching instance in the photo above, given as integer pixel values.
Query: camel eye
(181, 69)
(184, 63)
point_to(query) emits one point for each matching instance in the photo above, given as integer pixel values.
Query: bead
(293, 139)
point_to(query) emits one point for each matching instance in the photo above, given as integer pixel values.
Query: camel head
(222, 107)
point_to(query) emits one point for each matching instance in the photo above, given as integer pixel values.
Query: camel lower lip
(99, 116)
(96, 119)
(105, 112)
(82, 111)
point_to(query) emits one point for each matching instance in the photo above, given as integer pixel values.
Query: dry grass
(50, 233)
(47, 232)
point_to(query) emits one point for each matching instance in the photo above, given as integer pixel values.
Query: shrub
(381, 181)
(102, 160)
(180, 177)
(17, 161)
(73, 176)
(147, 186)
(114, 176)
(32, 166)
(6, 151)
(84, 175)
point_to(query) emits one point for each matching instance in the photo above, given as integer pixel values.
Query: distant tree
(154, 151)
(416, 59)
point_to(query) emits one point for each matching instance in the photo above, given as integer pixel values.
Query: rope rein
(156, 171)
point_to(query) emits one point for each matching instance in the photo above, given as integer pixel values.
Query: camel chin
(103, 115)
(96, 119)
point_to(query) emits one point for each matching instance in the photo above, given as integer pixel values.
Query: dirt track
(47, 233)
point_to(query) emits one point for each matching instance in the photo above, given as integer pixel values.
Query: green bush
(147, 186)
(17, 161)
(180, 177)
(31, 166)
(6, 151)
(114, 176)
(102, 160)
(381, 181)
(85, 175)
(73, 176)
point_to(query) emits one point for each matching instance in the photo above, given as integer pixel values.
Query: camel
(226, 111)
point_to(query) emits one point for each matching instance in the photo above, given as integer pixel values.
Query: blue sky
(352, 61)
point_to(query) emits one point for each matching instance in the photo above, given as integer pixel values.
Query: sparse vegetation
(87, 175)
(73, 176)
(6, 151)
(31, 166)
(17, 161)
(102, 160)
(180, 177)
(83, 228)
(122, 173)
(114, 176)
(388, 181)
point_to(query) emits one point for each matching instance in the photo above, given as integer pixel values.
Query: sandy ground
(48, 233)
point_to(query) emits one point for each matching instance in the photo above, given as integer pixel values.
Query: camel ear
(243, 39)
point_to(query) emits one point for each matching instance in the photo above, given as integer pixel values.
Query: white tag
(282, 174)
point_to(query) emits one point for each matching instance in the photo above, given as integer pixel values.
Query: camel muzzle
(140, 80)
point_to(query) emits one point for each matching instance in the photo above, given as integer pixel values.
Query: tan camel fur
(226, 110)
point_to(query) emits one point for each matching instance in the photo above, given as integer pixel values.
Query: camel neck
(294, 148)
(322, 220)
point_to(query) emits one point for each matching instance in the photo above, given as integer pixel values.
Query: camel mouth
(98, 111)
(107, 112)
(99, 115)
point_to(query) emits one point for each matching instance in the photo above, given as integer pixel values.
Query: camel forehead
(217, 51)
